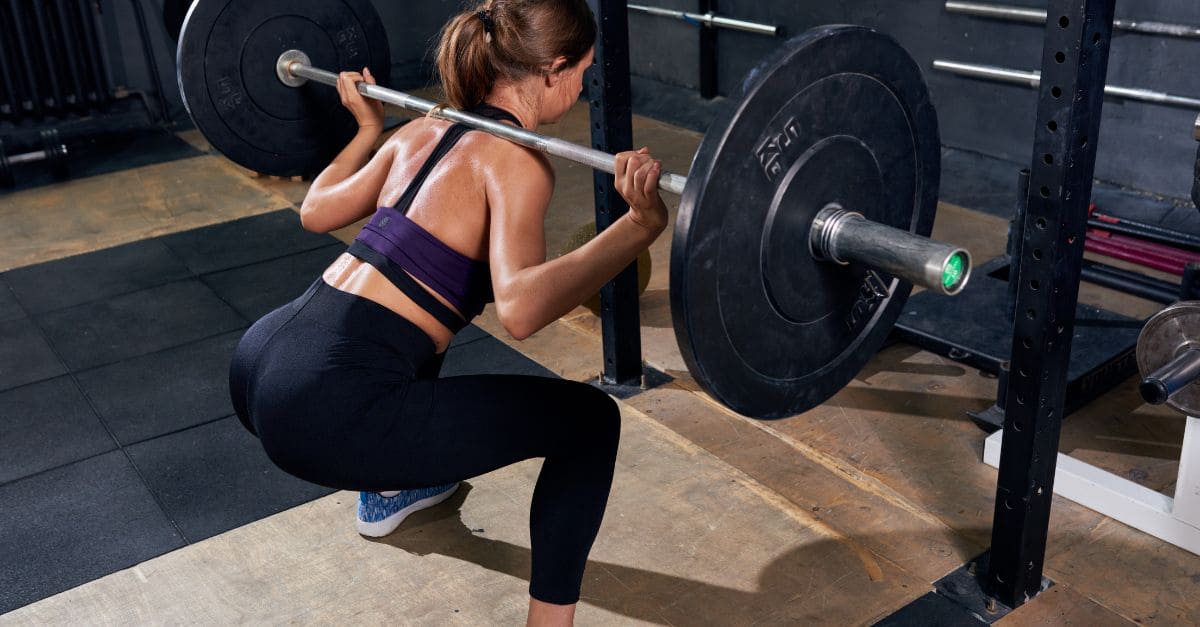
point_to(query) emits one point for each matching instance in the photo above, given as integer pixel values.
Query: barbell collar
(291, 66)
(1196, 129)
(1178, 373)
(843, 236)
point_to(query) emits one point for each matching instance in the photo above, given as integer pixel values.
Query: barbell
(803, 223)
(1168, 357)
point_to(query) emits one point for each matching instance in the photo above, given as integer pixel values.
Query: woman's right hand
(367, 112)
(637, 181)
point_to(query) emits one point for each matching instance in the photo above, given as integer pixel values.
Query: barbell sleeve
(843, 236)
(1159, 385)
(294, 63)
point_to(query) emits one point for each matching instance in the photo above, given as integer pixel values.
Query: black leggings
(344, 393)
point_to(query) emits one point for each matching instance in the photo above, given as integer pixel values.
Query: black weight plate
(842, 115)
(226, 57)
(174, 11)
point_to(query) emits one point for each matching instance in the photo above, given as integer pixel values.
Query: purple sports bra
(466, 283)
(399, 247)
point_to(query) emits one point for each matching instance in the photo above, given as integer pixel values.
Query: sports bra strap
(449, 139)
(409, 286)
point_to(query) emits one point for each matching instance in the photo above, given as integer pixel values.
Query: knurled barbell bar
(804, 220)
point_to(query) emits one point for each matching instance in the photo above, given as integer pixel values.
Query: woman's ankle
(542, 614)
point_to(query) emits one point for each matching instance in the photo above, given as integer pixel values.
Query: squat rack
(1050, 248)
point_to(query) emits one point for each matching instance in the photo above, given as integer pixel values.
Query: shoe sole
(387, 525)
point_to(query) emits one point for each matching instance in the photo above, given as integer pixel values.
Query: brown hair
(525, 38)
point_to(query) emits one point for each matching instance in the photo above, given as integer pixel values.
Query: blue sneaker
(379, 513)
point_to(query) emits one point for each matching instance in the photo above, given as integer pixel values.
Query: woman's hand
(367, 112)
(637, 181)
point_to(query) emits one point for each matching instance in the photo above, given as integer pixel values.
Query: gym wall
(1144, 146)
(1147, 147)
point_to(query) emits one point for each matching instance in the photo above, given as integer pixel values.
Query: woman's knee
(601, 418)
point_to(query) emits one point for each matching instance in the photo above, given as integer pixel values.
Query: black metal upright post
(708, 54)
(1074, 65)
(610, 97)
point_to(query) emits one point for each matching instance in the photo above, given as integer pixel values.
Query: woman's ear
(559, 65)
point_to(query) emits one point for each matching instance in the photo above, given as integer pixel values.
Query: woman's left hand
(367, 112)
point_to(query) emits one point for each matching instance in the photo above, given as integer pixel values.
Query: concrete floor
(838, 516)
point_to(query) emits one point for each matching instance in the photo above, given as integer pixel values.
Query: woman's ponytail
(502, 40)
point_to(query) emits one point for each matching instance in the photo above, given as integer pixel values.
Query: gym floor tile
(25, 356)
(931, 610)
(45, 425)
(73, 524)
(245, 241)
(92, 276)
(257, 289)
(110, 330)
(9, 307)
(216, 477)
(490, 356)
(147, 396)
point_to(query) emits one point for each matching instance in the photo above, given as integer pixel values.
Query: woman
(341, 385)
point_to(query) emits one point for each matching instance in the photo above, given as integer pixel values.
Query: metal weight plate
(1165, 335)
(839, 115)
(226, 59)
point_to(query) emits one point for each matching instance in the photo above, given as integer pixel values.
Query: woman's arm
(532, 292)
(346, 191)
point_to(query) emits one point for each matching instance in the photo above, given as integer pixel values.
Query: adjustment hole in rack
(1064, 21)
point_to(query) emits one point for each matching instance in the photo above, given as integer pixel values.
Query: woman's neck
(513, 100)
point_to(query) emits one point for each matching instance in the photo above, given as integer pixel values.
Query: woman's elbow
(310, 218)
(515, 321)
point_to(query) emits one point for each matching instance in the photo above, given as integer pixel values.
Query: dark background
(1144, 146)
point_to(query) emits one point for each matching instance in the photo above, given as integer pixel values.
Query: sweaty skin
(487, 199)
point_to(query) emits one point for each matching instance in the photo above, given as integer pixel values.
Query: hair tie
(489, 23)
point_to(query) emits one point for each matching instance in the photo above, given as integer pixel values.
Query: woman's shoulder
(504, 158)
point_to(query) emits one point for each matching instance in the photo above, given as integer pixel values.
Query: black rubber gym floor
(118, 441)
(98, 154)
